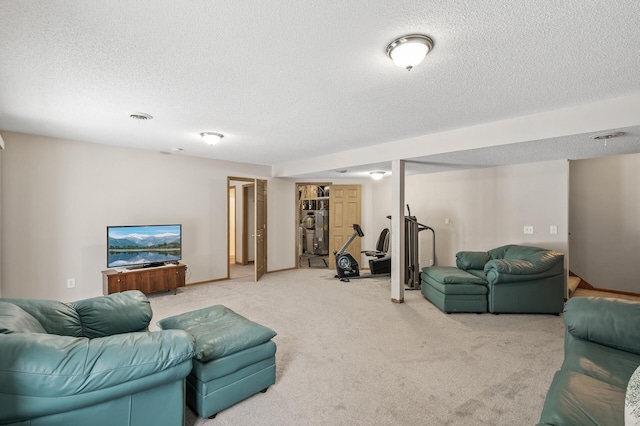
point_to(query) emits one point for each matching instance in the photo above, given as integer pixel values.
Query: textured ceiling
(287, 81)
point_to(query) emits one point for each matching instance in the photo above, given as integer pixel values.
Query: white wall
(605, 221)
(58, 197)
(1, 148)
(486, 208)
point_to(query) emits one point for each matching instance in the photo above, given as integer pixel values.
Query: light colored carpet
(348, 356)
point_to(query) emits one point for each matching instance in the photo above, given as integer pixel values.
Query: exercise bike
(347, 266)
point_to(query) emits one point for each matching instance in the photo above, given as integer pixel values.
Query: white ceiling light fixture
(606, 136)
(211, 138)
(377, 175)
(408, 51)
(140, 116)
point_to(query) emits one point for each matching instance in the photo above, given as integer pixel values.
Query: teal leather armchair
(90, 362)
(601, 352)
(520, 279)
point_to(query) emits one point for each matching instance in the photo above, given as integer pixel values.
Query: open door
(252, 219)
(345, 204)
(261, 228)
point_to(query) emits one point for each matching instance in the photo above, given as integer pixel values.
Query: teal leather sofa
(90, 362)
(601, 352)
(507, 279)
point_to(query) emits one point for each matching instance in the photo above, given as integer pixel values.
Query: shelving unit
(313, 220)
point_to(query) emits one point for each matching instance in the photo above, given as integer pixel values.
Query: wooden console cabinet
(147, 280)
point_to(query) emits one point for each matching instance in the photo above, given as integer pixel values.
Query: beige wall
(1, 148)
(486, 208)
(59, 196)
(605, 221)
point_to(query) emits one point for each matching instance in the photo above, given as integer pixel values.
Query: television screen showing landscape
(139, 245)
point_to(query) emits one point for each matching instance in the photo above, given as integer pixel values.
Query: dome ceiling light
(140, 116)
(211, 138)
(377, 175)
(408, 51)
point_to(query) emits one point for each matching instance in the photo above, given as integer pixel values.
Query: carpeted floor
(348, 356)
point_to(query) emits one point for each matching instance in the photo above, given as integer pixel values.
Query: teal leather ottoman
(234, 358)
(453, 290)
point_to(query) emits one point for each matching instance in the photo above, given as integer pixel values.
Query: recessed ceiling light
(341, 171)
(140, 116)
(176, 149)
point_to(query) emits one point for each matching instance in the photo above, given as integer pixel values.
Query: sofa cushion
(218, 331)
(601, 362)
(46, 365)
(14, 319)
(576, 399)
(632, 400)
(451, 275)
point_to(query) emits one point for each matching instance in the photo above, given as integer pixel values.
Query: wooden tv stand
(147, 280)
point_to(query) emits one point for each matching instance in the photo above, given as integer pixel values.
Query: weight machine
(412, 229)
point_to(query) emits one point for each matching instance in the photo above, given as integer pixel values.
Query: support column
(397, 231)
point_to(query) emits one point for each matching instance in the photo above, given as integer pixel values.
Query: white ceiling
(288, 81)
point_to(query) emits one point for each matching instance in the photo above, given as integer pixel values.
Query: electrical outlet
(553, 229)
(528, 230)
(71, 283)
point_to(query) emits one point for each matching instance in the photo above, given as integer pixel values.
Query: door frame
(245, 221)
(298, 218)
(251, 181)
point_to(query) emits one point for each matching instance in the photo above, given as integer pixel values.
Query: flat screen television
(143, 246)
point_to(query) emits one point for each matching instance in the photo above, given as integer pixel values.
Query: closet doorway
(312, 224)
(325, 214)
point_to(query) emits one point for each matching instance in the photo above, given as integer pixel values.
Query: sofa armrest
(42, 374)
(116, 313)
(535, 263)
(466, 260)
(610, 322)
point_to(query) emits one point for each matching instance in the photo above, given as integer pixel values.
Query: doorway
(244, 203)
(312, 224)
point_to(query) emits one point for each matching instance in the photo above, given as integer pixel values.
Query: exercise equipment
(347, 266)
(412, 229)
